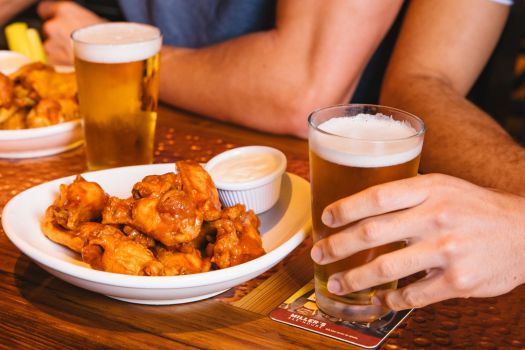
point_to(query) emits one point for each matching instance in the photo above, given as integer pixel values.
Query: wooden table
(39, 311)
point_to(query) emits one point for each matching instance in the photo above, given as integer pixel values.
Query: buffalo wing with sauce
(172, 224)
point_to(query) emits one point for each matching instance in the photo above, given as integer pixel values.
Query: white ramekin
(259, 194)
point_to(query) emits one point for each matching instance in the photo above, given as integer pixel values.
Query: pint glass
(117, 69)
(353, 147)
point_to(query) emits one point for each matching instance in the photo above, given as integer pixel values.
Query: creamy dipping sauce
(244, 167)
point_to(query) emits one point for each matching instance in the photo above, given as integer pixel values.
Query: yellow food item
(36, 48)
(16, 36)
(26, 41)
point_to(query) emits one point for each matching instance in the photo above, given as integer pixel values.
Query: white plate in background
(10, 61)
(36, 142)
(40, 142)
(283, 228)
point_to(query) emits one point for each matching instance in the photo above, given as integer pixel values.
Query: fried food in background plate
(172, 224)
(37, 96)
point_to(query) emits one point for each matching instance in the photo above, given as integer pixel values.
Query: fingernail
(333, 286)
(317, 254)
(376, 301)
(327, 217)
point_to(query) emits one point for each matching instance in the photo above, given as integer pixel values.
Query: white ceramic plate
(37, 142)
(283, 228)
(40, 142)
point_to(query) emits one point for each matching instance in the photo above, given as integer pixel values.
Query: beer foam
(366, 141)
(116, 42)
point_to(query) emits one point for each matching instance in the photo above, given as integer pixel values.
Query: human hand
(469, 239)
(62, 18)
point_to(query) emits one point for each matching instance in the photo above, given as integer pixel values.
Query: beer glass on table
(353, 147)
(117, 69)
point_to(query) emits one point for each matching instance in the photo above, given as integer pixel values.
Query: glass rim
(156, 37)
(419, 133)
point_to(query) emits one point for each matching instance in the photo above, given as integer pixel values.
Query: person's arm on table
(469, 239)
(442, 48)
(272, 80)
(266, 80)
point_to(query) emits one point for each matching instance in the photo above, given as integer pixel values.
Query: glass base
(354, 313)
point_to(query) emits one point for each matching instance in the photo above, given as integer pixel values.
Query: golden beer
(350, 157)
(117, 68)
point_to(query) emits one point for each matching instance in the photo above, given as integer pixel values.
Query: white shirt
(504, 2)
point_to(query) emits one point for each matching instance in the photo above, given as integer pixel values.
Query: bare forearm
(271, 80)
(461, 139)
(230, 82)
(10, 8)
(246, 81)
(432, 69)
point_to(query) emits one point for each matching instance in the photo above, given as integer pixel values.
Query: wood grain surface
(39, 311)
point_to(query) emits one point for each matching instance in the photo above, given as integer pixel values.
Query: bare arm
(272, 80)
(10, 8)
(442, 48)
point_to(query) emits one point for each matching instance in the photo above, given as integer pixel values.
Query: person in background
(469, 238)
(261, 64)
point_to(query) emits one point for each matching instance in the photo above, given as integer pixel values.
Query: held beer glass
(353, 147)
(117, 69)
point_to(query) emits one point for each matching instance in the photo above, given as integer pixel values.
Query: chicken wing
(108, 249)
(117, 211)
(197, 183)
(69, 109)
(183, 260)
(37, 96)
(73, 239)
(139, 237)
(226, 249)
(171, 219)
(6, 91)
(24, 97)
(79, 202)
(58, 86)
(237, 239)
(159, 208)
(156, 185)
(13, 119)
(22, 73)
(46, 82)
(46, 112)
